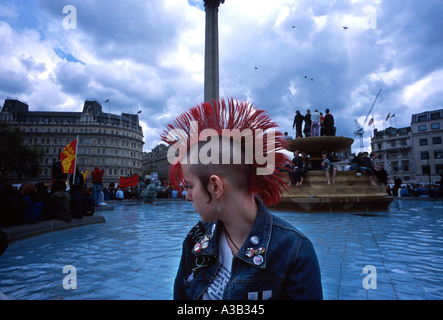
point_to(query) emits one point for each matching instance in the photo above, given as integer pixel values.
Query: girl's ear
(216, 186)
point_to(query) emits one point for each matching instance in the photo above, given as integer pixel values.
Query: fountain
(150, 193)
(350, 193)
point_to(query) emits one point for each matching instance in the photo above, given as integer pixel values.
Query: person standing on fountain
(315, 124)
(328, 166)
(235, 251)
(298, 122)
(308, 122)
(329, 124)
(322, 125)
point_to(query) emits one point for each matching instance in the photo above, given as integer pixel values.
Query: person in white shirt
(119, 194)
(315, 124)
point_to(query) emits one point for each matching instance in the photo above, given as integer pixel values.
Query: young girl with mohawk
(239, 250)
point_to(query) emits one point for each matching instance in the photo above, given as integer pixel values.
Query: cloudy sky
(149, 55)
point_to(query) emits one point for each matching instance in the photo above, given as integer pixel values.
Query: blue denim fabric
(96, 188)
(289, 269)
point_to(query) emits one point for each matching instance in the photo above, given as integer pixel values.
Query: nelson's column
(211, 50)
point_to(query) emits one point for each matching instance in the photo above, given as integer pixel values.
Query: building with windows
(157, 161)
(113, 142)
(427, 134)
(415, 153)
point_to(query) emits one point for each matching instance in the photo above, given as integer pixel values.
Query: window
(405, 165)
(422, 128)
(438, 154)
(422, 118)
(426, 169)
(423, 142)
(435, 126)
(424, 155)
(436, 140)
(439, 168)
(435, 116)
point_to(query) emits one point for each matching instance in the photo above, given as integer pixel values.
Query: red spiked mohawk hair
(223, 116)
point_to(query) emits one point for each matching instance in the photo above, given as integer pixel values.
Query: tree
(17, 160)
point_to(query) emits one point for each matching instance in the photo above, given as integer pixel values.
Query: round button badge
(258, 260)
(254, 240)
(197, 248)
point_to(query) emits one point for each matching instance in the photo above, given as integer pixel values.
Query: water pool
(135, 253)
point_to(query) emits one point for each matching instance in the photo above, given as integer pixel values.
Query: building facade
(113, 142)
(157, 161)
(415, 153)
(427, 135)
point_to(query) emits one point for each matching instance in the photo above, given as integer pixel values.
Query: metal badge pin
(259, 251)
(258, 260)
(205, 245)
(249, 252)
(197, 248)
(205, 239)
(254, 240)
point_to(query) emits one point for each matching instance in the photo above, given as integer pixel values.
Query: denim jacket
(275, 262)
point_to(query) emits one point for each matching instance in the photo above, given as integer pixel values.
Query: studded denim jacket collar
(253, 250)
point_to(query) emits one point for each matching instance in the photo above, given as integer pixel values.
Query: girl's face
(199, 197)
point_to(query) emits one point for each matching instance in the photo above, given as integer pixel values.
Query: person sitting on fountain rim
(305, 167)
(357, 162)
(369, 167)
(327, 165)
(294, 172)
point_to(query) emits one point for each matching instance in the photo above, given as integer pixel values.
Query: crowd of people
(362, 162)
(315, 124)
(415, 190)
(369, 163)
(34, 203)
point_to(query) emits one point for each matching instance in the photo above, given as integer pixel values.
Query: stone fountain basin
(315, 145)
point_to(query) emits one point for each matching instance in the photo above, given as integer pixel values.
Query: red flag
(128, 181)
(389, 114)
(67, 157)
(371, 121)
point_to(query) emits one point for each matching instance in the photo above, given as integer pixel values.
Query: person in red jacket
(97, 184)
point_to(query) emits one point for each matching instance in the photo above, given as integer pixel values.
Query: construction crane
(360, 129)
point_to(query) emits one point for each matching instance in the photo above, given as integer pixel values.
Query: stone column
(211, 89)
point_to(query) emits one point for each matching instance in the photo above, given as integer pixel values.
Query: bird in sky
(344, 27)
